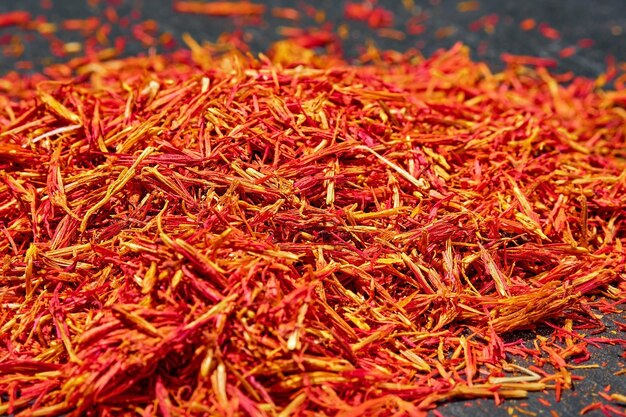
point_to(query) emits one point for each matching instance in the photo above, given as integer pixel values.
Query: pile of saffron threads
(209, 233)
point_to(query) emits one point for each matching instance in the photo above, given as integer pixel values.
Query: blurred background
(577, 34)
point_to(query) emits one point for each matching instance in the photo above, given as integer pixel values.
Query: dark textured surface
(602, 21)
(572, 402)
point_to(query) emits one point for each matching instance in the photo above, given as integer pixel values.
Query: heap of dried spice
(209, 233)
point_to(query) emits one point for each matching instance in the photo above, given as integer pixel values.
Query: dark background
(31, 46)
(603, 21)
